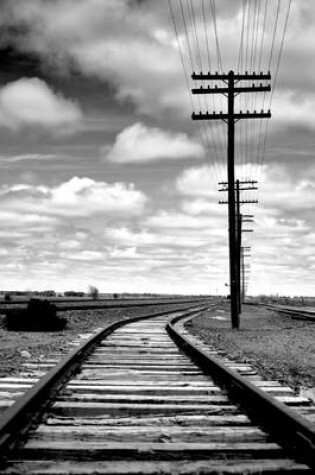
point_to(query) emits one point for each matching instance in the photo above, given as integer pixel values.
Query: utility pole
(231, 91)
(240, 186)
(245, 268)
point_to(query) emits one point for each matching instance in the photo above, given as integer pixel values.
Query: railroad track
(62, 305)
(139, 397)
(294, 313)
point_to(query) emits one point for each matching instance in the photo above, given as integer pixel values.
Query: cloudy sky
(106, 180)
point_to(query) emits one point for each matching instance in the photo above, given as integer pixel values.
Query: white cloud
(157, 241)
(197, 181)
(74, 198)
(294, 109)
(138, 144)
(197, 207)
(31, 102)
(286, 191)
(180, 221)
(27, 157)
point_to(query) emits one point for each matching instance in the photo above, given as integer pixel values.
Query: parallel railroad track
(133, 402)
(295, 313)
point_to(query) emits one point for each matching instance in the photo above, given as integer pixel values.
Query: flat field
(279, 347)
(13, 344)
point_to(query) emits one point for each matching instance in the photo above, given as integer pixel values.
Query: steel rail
(297, 314)
(123, 300)
(294, 313)
(289, 429)
(94, 305)
(18, 419)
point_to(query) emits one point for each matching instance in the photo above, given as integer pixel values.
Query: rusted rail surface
(136, 403)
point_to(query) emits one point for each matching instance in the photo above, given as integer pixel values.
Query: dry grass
(278, 346)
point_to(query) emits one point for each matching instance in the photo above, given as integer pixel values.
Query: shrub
(40, 315)
(73, 293)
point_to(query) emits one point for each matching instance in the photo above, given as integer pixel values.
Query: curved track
(138, 404)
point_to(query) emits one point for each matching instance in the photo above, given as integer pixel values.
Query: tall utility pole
(240, 186)
(231, 91)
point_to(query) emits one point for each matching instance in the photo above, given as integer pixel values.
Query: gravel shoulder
(277, 346)
(13, 344)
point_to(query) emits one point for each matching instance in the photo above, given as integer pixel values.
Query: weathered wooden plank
(143, 353)
(32, 374)
(185, 420)
(14, 387)
(36, 449)
(159, 346)
(140, 357)
(17, 380)
(294, 400)
(9, 395)
(135, 375)
(142, 366)
(143, 399)
(98, 379)
(156, 434)
(236, 466)
(149, 363)
(79, 409)
(162, 337)
(38, 366)
(170, 390)
(268, 382)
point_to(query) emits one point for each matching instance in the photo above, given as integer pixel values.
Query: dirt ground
(279, 347)
(14, 344)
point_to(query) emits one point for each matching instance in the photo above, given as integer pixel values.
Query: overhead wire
(206, 34)
(205, 97)
(281, 50)
(182, 55)
(265, 131)
(202, 128)
(240, 153)
(218, 126)
(212, 131)
(257, 18)
(286, 22)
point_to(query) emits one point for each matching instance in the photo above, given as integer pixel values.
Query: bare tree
(93, 292)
